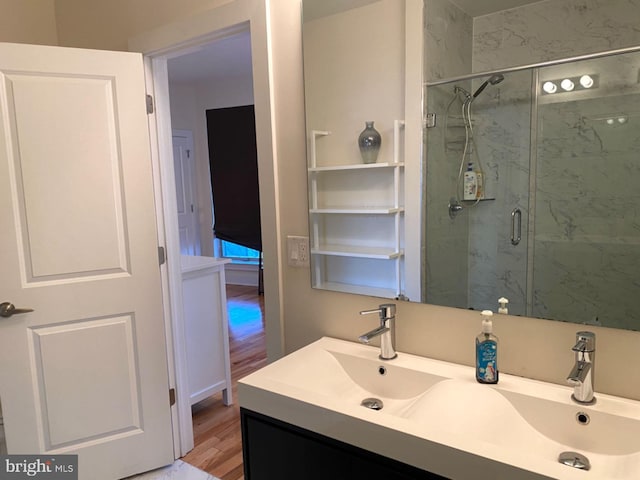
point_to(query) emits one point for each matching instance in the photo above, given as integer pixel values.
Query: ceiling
(224, 58)
(231, 56)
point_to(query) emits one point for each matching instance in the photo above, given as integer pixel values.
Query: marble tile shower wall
(448, 39)
(535, 33)
(553, 29)
(447, 268)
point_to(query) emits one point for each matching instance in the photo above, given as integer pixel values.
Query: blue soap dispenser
(487, 351)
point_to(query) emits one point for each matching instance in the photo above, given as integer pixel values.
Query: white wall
(31, 21)
(108, 25)
(184, 107)
(370, 41)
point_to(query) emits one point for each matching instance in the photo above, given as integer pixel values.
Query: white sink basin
(438, 418)
(522, 421)
(348, 373)
(396, 387)
(385, 379)
(584, 429)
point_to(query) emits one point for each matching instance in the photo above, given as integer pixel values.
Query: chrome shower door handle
(516, 233)
(7, 309)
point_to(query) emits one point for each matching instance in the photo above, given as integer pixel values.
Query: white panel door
(86, 371)
(185, 195)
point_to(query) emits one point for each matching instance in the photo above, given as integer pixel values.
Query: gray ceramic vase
(369, 143)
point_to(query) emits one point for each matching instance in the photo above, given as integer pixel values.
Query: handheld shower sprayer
(493, 80)
(455, 204)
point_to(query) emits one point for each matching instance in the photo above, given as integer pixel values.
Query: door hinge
(162, 255)
(172, 397)
(431, 120)
(188, 153)
(149, 104)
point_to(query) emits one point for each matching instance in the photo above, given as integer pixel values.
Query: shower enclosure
(556, 227)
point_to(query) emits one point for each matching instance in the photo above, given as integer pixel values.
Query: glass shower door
(587, 223)
(476, 250)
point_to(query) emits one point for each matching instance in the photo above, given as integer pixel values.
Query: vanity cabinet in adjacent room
(206, 327)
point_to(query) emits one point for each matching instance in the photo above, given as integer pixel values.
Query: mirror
(553, 225)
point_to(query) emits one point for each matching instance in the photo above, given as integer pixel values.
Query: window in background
(237, 253)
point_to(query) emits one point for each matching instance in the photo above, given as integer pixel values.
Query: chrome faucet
(582, 374)
(386, 330)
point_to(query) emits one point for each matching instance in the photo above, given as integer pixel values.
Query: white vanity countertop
(447, 432)
(192, 263)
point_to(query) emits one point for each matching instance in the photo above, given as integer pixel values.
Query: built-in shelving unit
(356, 214)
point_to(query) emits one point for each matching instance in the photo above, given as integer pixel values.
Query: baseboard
(246, 275)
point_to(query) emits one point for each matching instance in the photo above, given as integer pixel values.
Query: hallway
(216, 427)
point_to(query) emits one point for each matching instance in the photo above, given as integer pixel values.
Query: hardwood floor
(216, 427)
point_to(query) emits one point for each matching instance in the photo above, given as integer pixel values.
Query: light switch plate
(298, 251)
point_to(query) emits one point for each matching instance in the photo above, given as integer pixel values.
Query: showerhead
(493, 80)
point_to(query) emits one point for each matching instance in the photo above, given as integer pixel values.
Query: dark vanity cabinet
(275, 450)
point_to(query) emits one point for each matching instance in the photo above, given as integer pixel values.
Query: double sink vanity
(334, 409)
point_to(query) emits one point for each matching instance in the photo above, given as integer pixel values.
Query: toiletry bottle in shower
(487, 351)
(470, 184)
(503, 301)
(479, 184)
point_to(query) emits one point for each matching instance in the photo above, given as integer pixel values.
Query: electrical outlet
(298, 251)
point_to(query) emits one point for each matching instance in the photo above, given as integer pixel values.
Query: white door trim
(157, 46)
(171, 271)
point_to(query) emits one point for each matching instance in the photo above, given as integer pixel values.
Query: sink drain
(575, 460)
(583, 418)
(372, 403)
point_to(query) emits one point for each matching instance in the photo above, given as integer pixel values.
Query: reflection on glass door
(476, 246)
(556, 228)
(587, 227)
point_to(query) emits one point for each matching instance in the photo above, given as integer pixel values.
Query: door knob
(7, 309)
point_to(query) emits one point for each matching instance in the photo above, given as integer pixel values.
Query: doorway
(218, 75)
(158, 46)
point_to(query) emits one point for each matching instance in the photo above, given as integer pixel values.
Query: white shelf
(355, 166)
(354, 185)
(359, 210)
(382, 253)
(358, 289)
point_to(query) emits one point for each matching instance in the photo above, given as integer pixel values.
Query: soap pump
(487, 351)
(503, 305)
